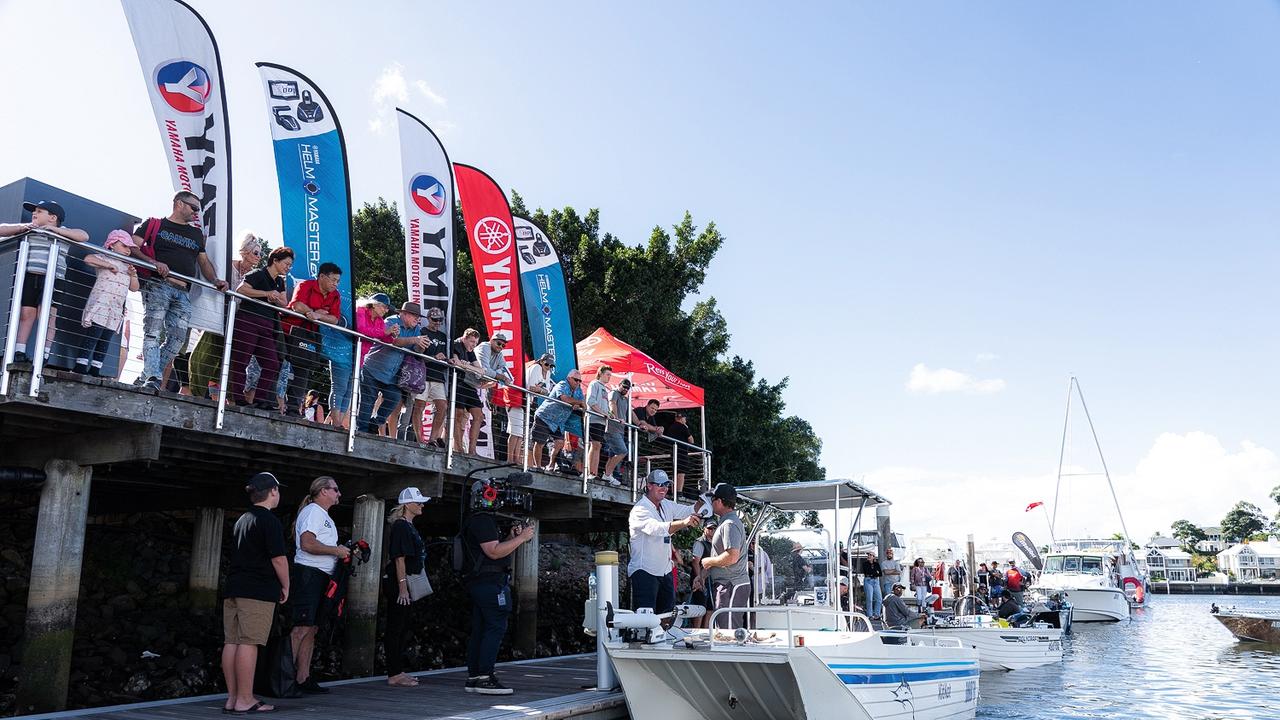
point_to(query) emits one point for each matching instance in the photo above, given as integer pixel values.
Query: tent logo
(492, 235)
(184, 85)
(428, 194)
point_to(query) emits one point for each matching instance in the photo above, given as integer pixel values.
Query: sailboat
(1100, 577)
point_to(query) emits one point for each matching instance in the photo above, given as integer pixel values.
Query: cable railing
(91, 320)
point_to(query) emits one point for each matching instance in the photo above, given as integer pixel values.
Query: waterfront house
(1168, 563)
(1212, 542)
(1251, 560)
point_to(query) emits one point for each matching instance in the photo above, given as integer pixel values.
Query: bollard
(606, 591)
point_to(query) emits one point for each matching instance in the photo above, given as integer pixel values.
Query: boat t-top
(802, 657)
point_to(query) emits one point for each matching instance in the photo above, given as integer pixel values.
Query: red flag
(493, 252)
(1033, 506)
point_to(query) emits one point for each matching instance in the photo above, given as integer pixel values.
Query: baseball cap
(547, 358)
(435, 313)
(725, 492)
(499, 337)
(383, 298)
(411, 494)
(897, 586)
(48, 206)
(658, 477)
(263, 481)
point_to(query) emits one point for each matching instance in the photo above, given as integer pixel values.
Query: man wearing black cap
(257, 580)
(729, 577)
(46, 218)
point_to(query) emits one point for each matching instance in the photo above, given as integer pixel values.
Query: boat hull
(1008, 648)
(1100, 604)
(1252, 628)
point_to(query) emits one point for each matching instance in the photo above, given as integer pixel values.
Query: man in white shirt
(537, 379)
(318, 553)
(652, 522)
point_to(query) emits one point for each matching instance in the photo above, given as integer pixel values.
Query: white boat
(1001, 647)
(1102, 579)
(807, 660)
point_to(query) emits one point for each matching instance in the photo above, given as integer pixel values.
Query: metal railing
(643, 453)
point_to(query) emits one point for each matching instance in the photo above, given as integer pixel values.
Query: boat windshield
(1091, 566)
(1053, 564)
(1071, 564)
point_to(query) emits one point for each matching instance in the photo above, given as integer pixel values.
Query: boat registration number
(970, 690)
(1275, 623)
(1055, 645)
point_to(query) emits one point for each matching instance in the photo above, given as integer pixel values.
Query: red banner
(493, 252)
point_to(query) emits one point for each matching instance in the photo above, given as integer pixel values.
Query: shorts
(614, 445)
(246, 621)
(515, 422)
(468, 398)
(433, 391)
(306, 594)
(33, 290)
(597, 429)
(541, 433)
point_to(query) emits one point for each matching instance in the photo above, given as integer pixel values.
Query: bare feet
(402, 680)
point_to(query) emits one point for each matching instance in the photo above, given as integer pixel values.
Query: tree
(378, 251)
(1187, 533)
(1120, 536)
(1243, 522)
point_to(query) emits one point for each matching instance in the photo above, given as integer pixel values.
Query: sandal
(254, 709)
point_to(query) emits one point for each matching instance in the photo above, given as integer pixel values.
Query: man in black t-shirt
(646, 418)
(257, 580)
(490, 590)
(178, 246)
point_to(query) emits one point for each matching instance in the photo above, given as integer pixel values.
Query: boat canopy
(814, 495)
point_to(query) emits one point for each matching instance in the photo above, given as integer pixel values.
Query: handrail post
(635, 461)
(452, 419)
(224, 389)
(675, 467)
(525, 444)
(353, 411)
(586, 444)
(15, 313)
(42, 320)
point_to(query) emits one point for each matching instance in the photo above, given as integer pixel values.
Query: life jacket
(1014, 578)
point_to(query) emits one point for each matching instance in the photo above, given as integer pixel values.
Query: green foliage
(1187, 533)
(1243, 521)
(378, 252)
(1120, 536)
(1204, 564)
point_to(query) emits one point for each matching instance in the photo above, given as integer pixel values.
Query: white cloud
(924, 381)
(391, 89)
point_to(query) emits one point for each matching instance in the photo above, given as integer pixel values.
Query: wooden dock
(548, 689)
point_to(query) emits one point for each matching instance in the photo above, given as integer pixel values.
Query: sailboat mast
(1061, 453)
(1105, 471)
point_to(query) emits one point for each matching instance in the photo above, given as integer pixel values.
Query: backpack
(148, 246)
(461, 558)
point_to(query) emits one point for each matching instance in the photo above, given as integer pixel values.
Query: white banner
(183, 75)
(427, 177)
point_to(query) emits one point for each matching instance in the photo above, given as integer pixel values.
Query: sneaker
(472, 682)
(311, 687)
(491, 686)
(615, 482)
(152, 383)
(592, 478)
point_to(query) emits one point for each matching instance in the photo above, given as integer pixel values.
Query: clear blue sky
(1011, 192)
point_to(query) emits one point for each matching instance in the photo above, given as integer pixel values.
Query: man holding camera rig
(488, 583)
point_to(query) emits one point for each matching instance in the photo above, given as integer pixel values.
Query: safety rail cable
(358, 340)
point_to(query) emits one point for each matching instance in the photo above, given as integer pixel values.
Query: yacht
(805, 658)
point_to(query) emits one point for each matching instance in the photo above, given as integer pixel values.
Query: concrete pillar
(55, 588)
(526, 571)
(882, 529)
(206, 559)
(362, 591)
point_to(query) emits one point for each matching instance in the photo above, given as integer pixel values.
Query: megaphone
(704, 512)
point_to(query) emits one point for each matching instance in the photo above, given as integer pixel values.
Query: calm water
(1172, 660)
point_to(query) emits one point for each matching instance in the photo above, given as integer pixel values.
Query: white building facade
(1251, 561)
(1171, 564)
(1213, 540)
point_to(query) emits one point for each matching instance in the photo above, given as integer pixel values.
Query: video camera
(496, 494)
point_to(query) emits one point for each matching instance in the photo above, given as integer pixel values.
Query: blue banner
(546, 300)
(311, 164)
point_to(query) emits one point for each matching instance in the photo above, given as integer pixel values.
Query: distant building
(1167, 563)
(1162, 542)
(1213, 540)
(1251, 561)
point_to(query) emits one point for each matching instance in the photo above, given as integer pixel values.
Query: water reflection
(1170, 660)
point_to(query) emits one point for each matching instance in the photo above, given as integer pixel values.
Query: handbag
(413, 375)
(419, 586)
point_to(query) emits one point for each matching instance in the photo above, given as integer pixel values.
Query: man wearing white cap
(652, 522)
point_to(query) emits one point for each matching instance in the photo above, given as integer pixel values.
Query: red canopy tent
(649, 379)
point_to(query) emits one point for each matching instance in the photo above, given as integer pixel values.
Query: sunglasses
(661, 484)
(194, 207)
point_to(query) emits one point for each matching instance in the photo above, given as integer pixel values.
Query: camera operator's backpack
(461, 557)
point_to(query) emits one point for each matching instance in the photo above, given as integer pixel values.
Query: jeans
(490, 607)
(875, 599)
(94, 348)
(340, 386)
(369, 389)
(168, 311)
(651, 591)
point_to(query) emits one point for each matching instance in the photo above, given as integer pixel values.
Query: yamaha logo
(428, 194)
(492, 235)
(185, 86)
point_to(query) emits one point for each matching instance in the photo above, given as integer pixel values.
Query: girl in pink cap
(104, 311)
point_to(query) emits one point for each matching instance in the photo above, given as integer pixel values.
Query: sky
(965, 204)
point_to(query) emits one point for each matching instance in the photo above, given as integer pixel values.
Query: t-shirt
(617, 406)
(896, 612)
(308, 293)
(178, 246)
(482, 529)
(314, 519)
(437, 343)
(892, 570)
(537, 378)
(678, 431)
(730, 534)
(261, 279)
(383, 361)
(701, 549)
(405, 542)
(257, 538)
(1014, 579)
(38, 244)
